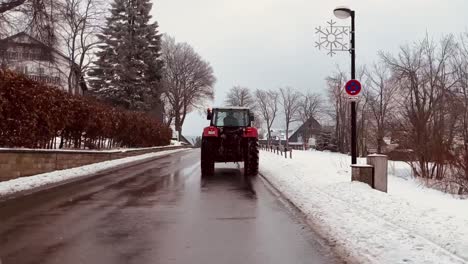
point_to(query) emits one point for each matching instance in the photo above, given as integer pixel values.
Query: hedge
(34, 115)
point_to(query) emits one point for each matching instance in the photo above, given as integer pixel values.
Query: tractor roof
(231, 108)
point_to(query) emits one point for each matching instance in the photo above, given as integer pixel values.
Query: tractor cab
(230, 117)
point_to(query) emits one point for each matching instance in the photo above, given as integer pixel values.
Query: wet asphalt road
(160, 212)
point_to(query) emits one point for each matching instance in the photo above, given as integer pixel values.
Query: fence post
(286, 152)
(290, 154)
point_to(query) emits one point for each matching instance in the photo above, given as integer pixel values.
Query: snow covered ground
(176, 143)
(12, 187)
(410, 224)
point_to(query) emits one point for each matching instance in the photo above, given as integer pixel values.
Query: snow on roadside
(36, 181)
(410, 224)
(176, 143)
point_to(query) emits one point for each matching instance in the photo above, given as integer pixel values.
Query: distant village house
(304, 135)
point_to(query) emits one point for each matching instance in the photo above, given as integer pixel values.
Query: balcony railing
(25, 56)
(44, 79)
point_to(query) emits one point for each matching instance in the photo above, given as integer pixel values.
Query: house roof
(185, 140)
(35, 40)
(311, 121)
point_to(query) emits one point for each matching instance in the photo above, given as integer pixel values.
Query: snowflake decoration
(332, 38)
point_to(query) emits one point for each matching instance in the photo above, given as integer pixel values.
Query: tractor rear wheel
(207, 160)
(251, 158)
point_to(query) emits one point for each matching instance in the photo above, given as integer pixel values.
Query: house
(29, 56)
(279, 134)
(306, 133)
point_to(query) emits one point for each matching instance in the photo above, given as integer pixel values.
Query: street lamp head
(342, 12)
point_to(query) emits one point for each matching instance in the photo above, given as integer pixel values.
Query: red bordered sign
(353, 87)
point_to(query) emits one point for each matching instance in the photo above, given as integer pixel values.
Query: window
(22, 69)
(40, 71)
(231, 117)
(13, 55)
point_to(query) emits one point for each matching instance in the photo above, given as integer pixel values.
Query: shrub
(35, 115)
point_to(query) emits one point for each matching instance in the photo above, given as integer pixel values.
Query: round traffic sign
(353, 87)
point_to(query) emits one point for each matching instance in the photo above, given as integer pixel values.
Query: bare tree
(290, 100)
(239, 96)
(36, 17)
(267, 107)
(460, 103)
(340, 113)
(381, 94)
(197, 142)
(425, 78)
(188, 80)
(168, 112)
(310, 106)
(79, 24)
(362, 114)
(10, 4)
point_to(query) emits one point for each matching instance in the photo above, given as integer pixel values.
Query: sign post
(332, 38)
(353, 88)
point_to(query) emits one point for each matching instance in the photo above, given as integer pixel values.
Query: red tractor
(230, 138)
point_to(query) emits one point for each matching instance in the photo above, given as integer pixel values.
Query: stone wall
(15, 163)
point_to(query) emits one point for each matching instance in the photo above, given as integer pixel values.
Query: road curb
(46, 187)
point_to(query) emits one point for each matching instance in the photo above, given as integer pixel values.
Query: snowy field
(22, 184)
(410, 224)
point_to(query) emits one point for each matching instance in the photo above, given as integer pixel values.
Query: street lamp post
(343, 13)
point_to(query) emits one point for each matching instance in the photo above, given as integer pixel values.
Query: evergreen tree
(128, 69)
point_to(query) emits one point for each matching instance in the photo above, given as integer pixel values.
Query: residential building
(27, 55)
(304, 135)
(279, 134)
(307, 131)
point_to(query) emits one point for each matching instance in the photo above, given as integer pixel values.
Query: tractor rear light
(210, 132)
(250, 132)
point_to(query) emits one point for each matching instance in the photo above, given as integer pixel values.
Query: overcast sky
(270, 43)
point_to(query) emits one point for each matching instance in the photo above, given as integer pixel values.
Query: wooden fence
(278, 149)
